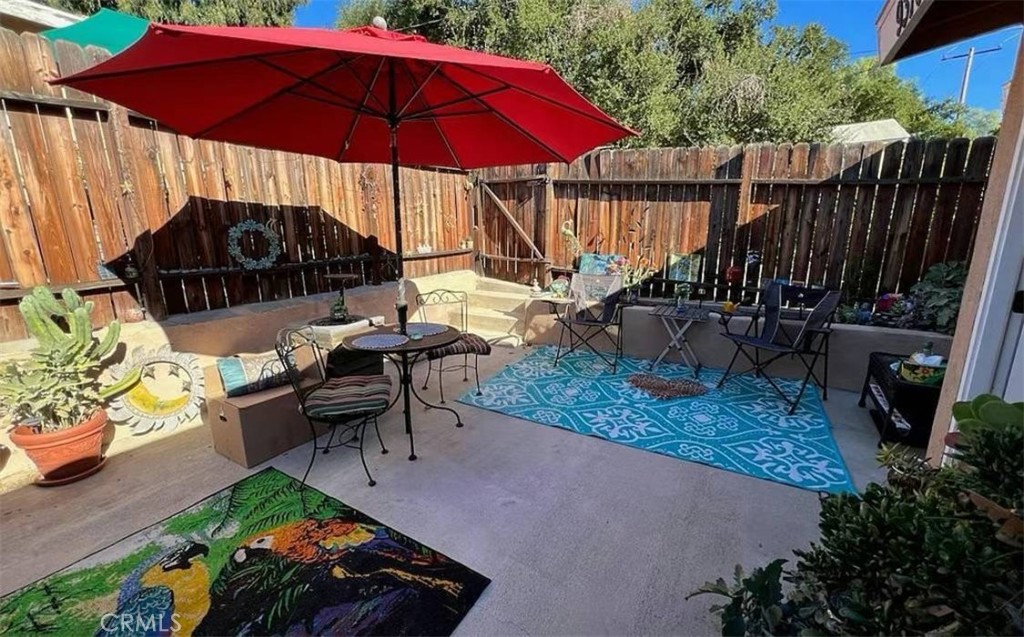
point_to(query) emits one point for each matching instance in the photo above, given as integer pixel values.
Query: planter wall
(644, 337)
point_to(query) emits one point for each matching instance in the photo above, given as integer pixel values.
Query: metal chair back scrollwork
(453, 307)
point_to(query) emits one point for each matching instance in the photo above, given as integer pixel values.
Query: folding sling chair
(594, 310)
(810, 343)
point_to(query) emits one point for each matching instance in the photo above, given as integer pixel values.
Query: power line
(971, 52)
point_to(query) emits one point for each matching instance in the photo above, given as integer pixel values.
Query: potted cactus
(55, 398)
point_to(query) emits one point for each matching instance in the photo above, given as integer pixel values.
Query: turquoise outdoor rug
(742, 427)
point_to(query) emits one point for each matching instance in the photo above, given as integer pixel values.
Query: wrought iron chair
(349, 402)
(810, 343)
(594, 309)
(468, 344)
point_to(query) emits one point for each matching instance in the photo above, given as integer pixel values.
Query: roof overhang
(37, 14)
(906, 27)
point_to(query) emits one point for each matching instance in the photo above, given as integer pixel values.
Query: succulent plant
(59, 386)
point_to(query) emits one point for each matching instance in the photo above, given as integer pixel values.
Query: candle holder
(403, 316)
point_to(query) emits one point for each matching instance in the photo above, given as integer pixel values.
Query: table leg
(406, 381)
(416, 394)
(671, 342)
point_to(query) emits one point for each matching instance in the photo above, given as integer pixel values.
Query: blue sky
(853, 21)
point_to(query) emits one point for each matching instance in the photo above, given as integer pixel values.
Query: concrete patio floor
(578, 535)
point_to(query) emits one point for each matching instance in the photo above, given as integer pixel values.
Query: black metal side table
(902, 411)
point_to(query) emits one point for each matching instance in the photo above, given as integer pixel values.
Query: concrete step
(497, 285)
(490, 300)
(495, 322)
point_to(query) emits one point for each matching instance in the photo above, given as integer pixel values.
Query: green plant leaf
(980, 400)
(963, 410)
(1001, 414)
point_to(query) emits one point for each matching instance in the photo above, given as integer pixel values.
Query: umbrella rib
(454, 102)
(276, 94)
(601, 120)
(421, 118)
(373, 81)
(354, 109)
(420, 88)
(355, 120)
(436, 124)
(179, 65)
(444, 138)
(508, 121)
(352, 104)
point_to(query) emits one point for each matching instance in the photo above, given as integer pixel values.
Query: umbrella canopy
(360, 95)
(107, 29)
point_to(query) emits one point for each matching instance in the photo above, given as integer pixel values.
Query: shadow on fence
(187, 265)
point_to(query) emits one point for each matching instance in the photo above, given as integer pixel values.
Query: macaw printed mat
(743, 427)
(262, 557)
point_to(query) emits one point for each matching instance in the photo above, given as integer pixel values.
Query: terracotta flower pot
(67, 455)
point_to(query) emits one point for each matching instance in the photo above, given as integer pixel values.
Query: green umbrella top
(110, 30)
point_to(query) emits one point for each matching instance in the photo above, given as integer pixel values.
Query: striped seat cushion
(349, 395)
(467, 344)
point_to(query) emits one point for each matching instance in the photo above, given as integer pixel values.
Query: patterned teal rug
(743, 427)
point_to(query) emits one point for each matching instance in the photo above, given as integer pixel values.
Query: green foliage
(876, 92)
(937, 296)
(271, 500)
(59, 386)
(277, 13)
(934, 551)
(687, 72)
(990, 429)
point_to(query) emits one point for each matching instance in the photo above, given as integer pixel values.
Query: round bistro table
(404, 356)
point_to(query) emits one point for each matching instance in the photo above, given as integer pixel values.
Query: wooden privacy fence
(104, 201)
(866, 218)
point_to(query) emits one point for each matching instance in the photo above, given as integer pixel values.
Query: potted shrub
(55, 398)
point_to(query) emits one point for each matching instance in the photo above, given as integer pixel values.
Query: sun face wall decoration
(169, 393)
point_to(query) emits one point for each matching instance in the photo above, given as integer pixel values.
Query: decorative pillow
(248, 373)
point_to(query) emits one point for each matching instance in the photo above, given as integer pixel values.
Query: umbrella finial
(379, 22)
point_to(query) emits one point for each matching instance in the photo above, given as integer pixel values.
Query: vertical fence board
(946, 203)
(969, 206)
(913, 257)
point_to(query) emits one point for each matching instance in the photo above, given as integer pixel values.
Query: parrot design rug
(262, 557)
(743, 427)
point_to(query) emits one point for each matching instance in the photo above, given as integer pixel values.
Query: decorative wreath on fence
(235, 244)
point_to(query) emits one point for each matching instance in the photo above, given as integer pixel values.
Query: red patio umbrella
(360, 95)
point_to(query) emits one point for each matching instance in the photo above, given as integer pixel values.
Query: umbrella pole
(396, 191)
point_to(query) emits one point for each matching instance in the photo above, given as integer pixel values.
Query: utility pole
(971, 52)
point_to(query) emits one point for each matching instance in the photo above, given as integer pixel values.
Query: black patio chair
(594, 309)
(810, 343)
(348, 402)
(468, 344)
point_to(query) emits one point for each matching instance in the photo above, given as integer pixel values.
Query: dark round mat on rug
(665, 388)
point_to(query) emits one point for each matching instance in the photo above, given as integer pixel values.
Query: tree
(218, 12)
(876, 92)
(685, 72)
